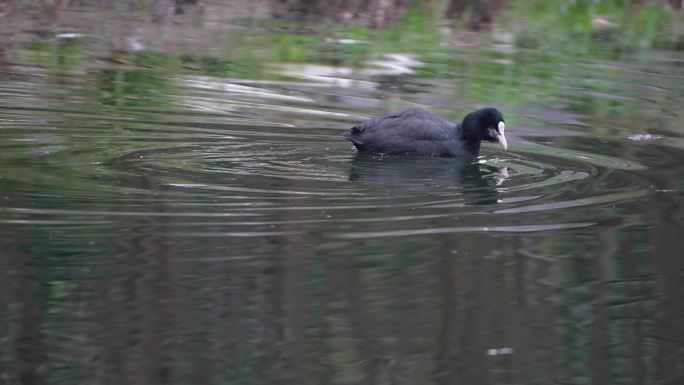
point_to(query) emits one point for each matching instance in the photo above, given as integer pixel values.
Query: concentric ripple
(248, 171)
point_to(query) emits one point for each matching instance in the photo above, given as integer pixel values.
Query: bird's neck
(470, 145)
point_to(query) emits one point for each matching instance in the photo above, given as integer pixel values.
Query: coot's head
(485, 124)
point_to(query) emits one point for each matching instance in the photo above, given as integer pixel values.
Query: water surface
(177, 224)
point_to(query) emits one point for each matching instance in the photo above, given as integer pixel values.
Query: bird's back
(409, 131)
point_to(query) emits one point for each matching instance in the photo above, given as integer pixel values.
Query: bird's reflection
(478, 182)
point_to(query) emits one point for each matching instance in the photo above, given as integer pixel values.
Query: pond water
(164, 222)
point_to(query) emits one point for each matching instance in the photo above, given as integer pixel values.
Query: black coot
(419, 132)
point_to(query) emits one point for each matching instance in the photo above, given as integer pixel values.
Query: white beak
(501, 137)
(502, 140)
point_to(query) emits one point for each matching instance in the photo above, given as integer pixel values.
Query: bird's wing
(411, 124)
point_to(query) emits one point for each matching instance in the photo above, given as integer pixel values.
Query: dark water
(172, 225)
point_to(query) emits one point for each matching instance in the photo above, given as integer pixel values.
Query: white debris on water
(499, 351)
(69, 35)
(643, 137)
(345, 41)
